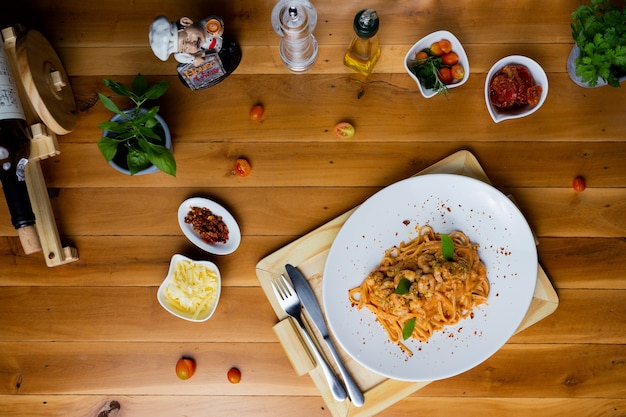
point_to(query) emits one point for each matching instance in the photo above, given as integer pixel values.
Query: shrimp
(426, 284)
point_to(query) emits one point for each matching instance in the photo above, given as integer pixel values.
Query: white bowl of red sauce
(516, 86)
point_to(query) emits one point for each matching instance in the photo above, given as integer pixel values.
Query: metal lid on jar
(366, 23)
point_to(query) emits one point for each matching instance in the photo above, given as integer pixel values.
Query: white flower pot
(571, 70)
(168, 144)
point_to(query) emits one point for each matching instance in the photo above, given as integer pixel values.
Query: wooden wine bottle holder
(49, 107)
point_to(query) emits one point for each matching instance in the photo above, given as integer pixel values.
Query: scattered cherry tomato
(435, 49)
(579, 184)
(458, 72)
(185, 368)
(450, 58)
(256, 112)
(445, 46)
(445, 75)
(242, 167)
(344, 130)
(234, 375)
(421, 57)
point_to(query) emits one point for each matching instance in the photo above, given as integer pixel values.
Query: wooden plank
(295, 210)
(477, 407)
(264, 59)
(339, 163)
(288, 102)
(543, 376)
(583, 316)
(137, 261)
(147, 368)
(76, 24)
(572, 263)
(55, 314)
(140, 368)
(296, 406)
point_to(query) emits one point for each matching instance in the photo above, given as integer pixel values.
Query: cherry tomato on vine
(579, 184)
(445, 75)
(458, 72)
(445, 46)
(450, 58)
(185, 368)
(256, 112)
(234, 375)
(242, 167)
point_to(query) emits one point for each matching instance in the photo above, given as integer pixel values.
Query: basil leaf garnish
(403, 286)
(447, 247)
(407, 330)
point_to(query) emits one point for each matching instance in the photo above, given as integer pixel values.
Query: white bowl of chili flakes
(209, 226)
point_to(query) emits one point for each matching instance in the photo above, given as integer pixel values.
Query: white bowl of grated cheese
(191, 289)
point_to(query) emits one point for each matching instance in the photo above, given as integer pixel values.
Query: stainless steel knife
(307, 297)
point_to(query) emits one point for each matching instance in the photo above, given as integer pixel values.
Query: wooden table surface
(77, 337)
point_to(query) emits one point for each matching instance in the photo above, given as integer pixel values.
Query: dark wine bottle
(14, 150)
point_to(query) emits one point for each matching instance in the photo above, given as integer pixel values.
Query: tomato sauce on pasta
(436, 291)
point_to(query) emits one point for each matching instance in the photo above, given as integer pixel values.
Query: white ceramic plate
(540, 77)
(447, 203)
(425, 42)
(205, 315)
(234, 234)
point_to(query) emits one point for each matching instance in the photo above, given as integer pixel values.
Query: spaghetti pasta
(417, 291)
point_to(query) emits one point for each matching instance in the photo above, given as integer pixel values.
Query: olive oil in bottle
(364, 50)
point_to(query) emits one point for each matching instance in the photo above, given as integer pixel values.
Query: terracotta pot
(119, 160)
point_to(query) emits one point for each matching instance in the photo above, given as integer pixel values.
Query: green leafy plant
(136, 134)
(599, 30)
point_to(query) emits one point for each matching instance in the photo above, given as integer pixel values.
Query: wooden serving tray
(309, 254)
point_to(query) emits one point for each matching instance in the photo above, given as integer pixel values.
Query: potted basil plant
(599, 56)
(136, 140)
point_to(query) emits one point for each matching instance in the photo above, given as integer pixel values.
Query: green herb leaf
(407, 330)
(157, 90)
(117, 87)
(403, 286)
(139, 85)
(109, 105)
(427, 72)
(108, 147)
(137, 161)
(447, 247)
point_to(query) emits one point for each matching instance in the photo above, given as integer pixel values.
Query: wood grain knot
(110, 409)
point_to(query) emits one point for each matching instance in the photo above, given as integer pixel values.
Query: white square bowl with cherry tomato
(426, 43)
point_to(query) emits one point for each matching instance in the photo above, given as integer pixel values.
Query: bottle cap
(366, 23)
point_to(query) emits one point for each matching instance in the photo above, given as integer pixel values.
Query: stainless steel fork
(289, 301)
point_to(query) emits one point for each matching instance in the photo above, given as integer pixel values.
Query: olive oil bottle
(364, 50)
